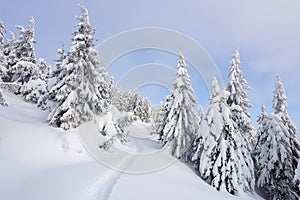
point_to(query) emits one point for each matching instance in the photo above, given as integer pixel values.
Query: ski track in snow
(103, 186)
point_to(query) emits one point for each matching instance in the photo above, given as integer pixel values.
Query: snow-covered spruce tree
(78, 94)
(119, 100)
(159, 119)
(3, 101)
(162, 120)
(198, 141)
(36, 86)
(181, 121)
(297, 176)
(125, 101)
(142, 109)
(23, 56)
(277, 150)
(132, 100)
(105, 90)
(3, 58)
(10, 54)
(237, 100)
(239, 103)
(280, 108)
(53, 77)
(273, 155)
(217, 143)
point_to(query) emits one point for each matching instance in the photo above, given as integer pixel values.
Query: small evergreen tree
(46, 101)
(181, 121)
(36, 87)
(142, 109)
(3, 101)
(158, 119)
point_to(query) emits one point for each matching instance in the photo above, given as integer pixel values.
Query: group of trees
(75, 89)
(221, 142)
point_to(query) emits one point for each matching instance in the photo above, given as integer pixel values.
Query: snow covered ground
(41, 162)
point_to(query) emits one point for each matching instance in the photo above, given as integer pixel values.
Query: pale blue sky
(266, 32)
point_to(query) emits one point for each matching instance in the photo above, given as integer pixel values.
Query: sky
(267, 34)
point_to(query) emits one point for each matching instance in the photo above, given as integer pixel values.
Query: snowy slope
(41, 162)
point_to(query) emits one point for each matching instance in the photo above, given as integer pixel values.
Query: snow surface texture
(41, 162)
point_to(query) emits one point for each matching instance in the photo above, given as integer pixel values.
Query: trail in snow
(102, 186)
(34, 165)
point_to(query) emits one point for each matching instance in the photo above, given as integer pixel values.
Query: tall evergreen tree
(280, 108)
(79, 92)
(239, 103)
(273, 155)
(217, 149)
(181, 122)
(3, 58)
(218, 153)
(277, 150)
(237, 100)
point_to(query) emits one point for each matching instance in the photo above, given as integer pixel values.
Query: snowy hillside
(41, 162)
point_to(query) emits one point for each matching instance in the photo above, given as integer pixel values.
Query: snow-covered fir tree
(217, 144)
(218, 153)
(273, 158)
(158, 119)
(105, 89)
(280, 108)
(3, 58)
(36, 86)
(10, 54)
(3, 101)
(78, 93)
(128, 101)
(181, 122)
(26, 44)
(142, 109)
(161, 119)
(198, 141)
(132, 99)
(46, 100)
(23, 56)
(200, 114)
(277, 150)
(120, 99)
(237, 100)
(239, 103)
(297, 176)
